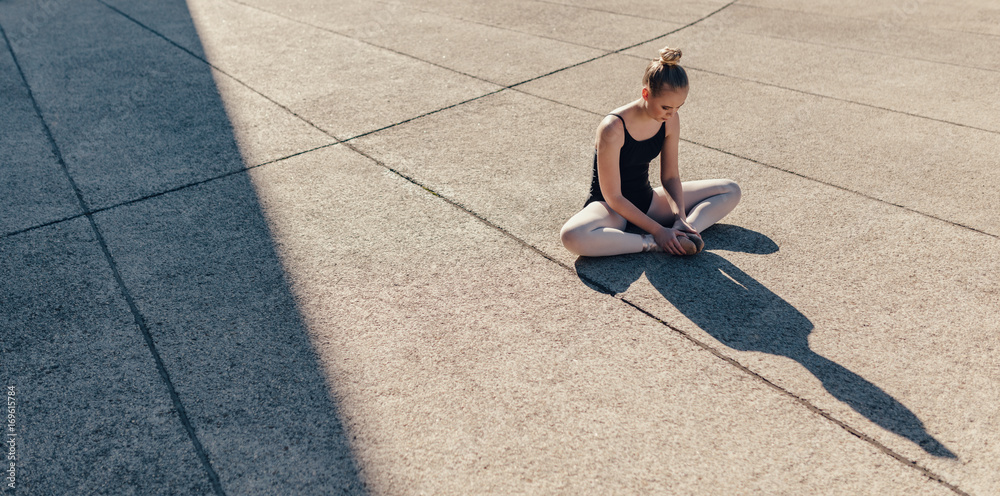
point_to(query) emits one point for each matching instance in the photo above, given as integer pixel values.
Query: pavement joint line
(140, 321)
(844, 100)
(42, 225)
(359, 40)
(804, 402)
(865, 19)
(637, 16)
(979, 33)
(629, 47)
(421, 116)
(705, 346)
(859, 50)
(164, 192)
(842, 188)
(496, 26)
(213, 66)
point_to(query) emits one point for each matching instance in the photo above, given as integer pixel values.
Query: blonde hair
(665, 72)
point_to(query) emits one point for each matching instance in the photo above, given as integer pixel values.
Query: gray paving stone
(202, 268)
(545, 167)
(330, 80)
(493, 53)
(682, 12)
(31, 180)
(922, 42)
(135, 116)
(969, 16)
(131, 114)
(568, 22)
(92, 414)
(937, 89)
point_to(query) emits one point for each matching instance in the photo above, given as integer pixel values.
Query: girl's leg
(707, 202)
(598, 231)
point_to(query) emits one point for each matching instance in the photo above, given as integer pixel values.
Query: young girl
(620, 193)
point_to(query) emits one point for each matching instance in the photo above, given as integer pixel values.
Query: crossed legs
(597, 230)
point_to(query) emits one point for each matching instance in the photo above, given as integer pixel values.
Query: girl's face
(665, 103)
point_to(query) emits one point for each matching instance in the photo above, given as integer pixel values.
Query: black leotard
(633, 163)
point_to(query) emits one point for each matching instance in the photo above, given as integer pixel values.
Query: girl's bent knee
(733, 189)
(571, 239)
(568, 238)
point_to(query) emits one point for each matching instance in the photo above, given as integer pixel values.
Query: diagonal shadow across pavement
(163, 329)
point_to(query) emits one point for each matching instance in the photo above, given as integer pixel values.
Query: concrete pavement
(263, 247)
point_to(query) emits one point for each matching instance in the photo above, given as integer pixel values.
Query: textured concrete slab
(263, 131)
(517, 187)
(572, 23)
(854, 350)
(451, 384)
(92, 415)
(682, 12)
(936, 89)
(968, 16)
(201, 266)
(942, 170)
(495, 54)
(132, 114)
(326, 78)
(882, 36)
(32, 183)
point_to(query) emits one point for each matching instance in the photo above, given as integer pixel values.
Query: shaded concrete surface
(206, 292)
(202, 269)
(92, 415)
(32, 182)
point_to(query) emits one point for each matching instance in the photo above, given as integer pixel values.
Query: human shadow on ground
(744, 315)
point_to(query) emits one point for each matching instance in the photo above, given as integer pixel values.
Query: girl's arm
(670, 175)
(610, 139)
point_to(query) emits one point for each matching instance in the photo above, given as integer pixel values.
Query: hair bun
(670, 56)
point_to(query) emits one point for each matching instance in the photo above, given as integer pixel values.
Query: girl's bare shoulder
(611, 130)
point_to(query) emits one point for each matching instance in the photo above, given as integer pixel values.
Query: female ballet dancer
(620, 193)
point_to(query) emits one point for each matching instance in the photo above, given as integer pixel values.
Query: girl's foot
(700, 243)
(649, 244)
(692, 243)
(689, 247)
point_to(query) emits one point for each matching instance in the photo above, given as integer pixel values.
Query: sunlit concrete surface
(306, 247)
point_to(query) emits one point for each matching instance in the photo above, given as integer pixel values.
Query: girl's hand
(691, 233)
(667, 239)
(682, 225)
